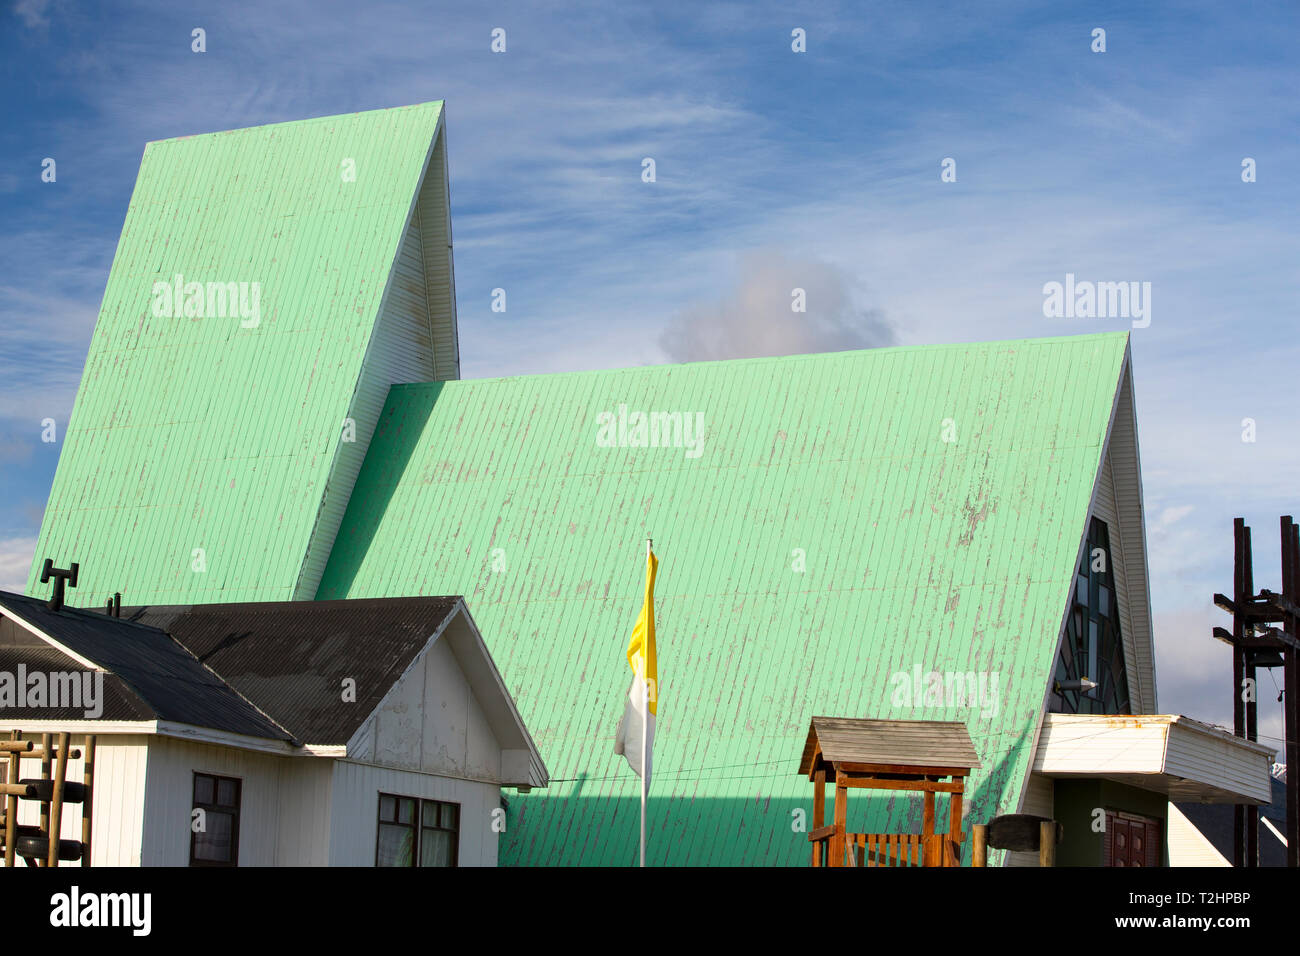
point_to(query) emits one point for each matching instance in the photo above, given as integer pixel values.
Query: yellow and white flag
(645, 683)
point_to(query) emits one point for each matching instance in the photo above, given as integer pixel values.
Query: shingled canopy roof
(942, 744)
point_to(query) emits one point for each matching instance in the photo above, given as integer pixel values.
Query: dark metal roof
(118, 701)
(916, 743)
(154, 676)
(290, 658)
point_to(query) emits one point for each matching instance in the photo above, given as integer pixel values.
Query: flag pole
(645, 723)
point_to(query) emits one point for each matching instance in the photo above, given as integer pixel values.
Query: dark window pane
(226, 793)
(449, 816)
(396, 845)
(387, 808)
(436, 847)
(214, 845)
(203, 788)
(429, 813)
(406, 810)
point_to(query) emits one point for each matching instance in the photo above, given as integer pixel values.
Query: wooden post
(47, 744)
(1291, 688)
(1252, 705)
(1238, 675)
(88, 804)
(11, 804)
(979, 845)
(841, 820)
(819, 811)
(56, 804)
(952, 857)
(1047, 843)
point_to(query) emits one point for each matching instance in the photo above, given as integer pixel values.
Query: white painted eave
(1189, 761)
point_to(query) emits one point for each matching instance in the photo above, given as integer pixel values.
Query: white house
(353, 733)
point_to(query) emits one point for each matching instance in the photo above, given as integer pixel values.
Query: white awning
(1186, 760)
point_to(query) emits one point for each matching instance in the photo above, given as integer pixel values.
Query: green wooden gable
(210, 437)
(851, 523)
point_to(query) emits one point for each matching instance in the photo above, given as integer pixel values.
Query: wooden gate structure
(926, 756)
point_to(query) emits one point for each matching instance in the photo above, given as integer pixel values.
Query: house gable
(449, 714)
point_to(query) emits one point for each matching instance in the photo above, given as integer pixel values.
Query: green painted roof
(920, 555)
(198, 432)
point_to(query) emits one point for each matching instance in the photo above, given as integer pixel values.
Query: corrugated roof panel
(289, 658)
(152, 675)
(193, 432)
(917, 554)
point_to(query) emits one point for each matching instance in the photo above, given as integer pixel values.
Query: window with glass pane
(1092, 645)
(217, 842)
(434, 842)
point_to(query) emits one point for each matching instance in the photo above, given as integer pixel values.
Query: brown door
(1131, 840)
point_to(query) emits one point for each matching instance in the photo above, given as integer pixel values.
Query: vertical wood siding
(434, 214)
(354, 825)
(119, 798)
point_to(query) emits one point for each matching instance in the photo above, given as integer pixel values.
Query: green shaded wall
(1075, 801)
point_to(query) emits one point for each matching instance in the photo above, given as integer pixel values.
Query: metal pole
(645, 717)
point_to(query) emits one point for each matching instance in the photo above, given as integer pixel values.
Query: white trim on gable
(520, 763)
(403, 346)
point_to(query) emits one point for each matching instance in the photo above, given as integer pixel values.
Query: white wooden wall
(355, 822)
(431, 722)
(1188, 846)
(169, 800)
(118, 809)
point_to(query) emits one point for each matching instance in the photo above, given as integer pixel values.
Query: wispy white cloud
(35, 14)
(15, 562)
(780, 305)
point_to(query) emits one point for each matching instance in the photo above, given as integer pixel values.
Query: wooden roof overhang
(897, 754)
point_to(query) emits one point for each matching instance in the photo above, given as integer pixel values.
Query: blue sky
(774, 170)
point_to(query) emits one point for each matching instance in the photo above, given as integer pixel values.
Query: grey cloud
(755, 318)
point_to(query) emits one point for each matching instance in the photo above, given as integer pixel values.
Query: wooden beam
(1281, 601)
(46, 749)
(1047, 843)
(821, 833)
(979, 845)
(927, 786)
(914, 770)
(87, 805)
(954, 827)
(841, 823)
(56, 805)
(11, 804)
